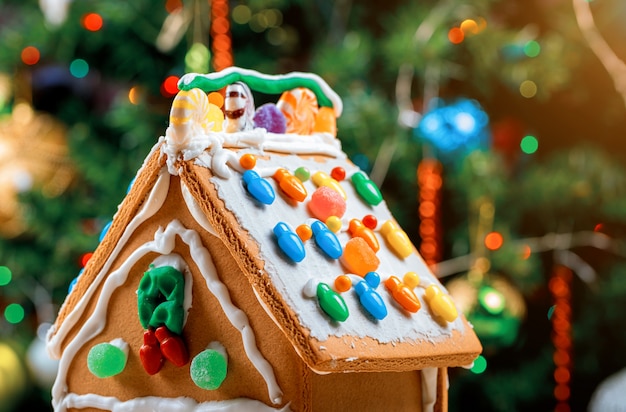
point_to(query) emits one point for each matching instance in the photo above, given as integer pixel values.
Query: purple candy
(269, 117)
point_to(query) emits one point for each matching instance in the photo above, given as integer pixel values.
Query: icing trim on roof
(264, 83)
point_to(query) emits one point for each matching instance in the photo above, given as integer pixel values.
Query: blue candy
(289, 242)
(104, 231)
(258, 187)
(326, 240)
(370, 299)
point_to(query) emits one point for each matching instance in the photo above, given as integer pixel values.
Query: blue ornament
(369, 298)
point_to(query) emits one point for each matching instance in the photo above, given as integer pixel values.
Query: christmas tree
(492, 127)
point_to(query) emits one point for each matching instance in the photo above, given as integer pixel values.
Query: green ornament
(160, 299)
(208, 369)
(105, 360)
(332, 303)
(367, 189)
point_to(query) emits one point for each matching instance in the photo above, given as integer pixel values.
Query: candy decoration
(269, 117)
(107, 359)
(300, 109)
(343, 283)
(325, 121)
(411, 279)
(104, 231)
(334, 224)
(216, 117)
(289, 242)
(247, 161)
(403, 294)
(238, 108)
(370, 221)
(304, 232)
(302, 173)
(441, 304)
(356, 228)
(259, 188)
(369, 298)
(74, 281)
(208, 368)
(332, 303)
(397, 239)
(367, 189)
(358, 257)
(172, 347)
(326, 240)
(338, 173)
(149, 354)
(322, 179)
(189, 112)
(326, 202)
(160, 299)
(290, 185)
(264, 83)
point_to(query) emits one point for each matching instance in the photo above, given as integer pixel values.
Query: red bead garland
(220, 33)
(560, 289)
(429, 179)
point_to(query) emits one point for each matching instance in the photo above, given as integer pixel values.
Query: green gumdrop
(208, 369)
(159, 286)
(169, 314)
(105, 360)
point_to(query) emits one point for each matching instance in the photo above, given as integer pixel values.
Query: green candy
(105, 360)
(160, 299)
(302, 173)
(332, 303)
(208, 369)
(367, 189)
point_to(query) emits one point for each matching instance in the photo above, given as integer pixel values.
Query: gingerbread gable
(355, 298)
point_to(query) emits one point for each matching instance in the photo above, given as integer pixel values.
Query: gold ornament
(33, 155)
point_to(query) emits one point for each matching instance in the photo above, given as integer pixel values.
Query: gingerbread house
(252, 266)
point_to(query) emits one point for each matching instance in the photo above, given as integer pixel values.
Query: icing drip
(153, 403)
(429, 388)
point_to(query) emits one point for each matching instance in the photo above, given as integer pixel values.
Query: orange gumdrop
(325, 121)
(304, 232)
(247, 161)
(358, 257)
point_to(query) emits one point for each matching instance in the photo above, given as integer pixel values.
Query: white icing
(195, 210)
(120, 344)
(429, 389)
(154, 403)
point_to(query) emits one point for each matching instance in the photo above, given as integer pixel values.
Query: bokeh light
(529, 144)
(30, 55)
(5, 275)
(79, 68)
(469, 26)
(456, 35)
(480, 365)
(169, 87)
(134, 96)
(14, 313)
(532, 48)
(528, 89)
(493, 241)
(241, 14)
(92, 21)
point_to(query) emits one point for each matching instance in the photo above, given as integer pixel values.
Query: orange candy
(356, 228)
(300, 109)
(304, 232)
(247, 161)
(358, 257)
(325, 121)
(291, 185)
(343, 283)
(403, 294)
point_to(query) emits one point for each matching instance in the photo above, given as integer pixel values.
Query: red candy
(172, 346)
(150, 354)
(338, 173)
(326, 202)
(370, 221)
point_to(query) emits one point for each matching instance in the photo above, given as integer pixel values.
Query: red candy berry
(370, 221)
(338, 173)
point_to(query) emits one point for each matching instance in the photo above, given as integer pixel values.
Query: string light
(560, 289)
(220, 33)
(30, 55)
(429, 178)
(92, 21)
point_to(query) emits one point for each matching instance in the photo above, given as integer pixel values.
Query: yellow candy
(397, 239)
(441, 304)
(333, 223)
(411, 279)
(323, 179)
(215, 115)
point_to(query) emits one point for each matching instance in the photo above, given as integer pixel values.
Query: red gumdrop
(326, 202)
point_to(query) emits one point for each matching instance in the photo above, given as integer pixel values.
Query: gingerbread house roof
(342, 305)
